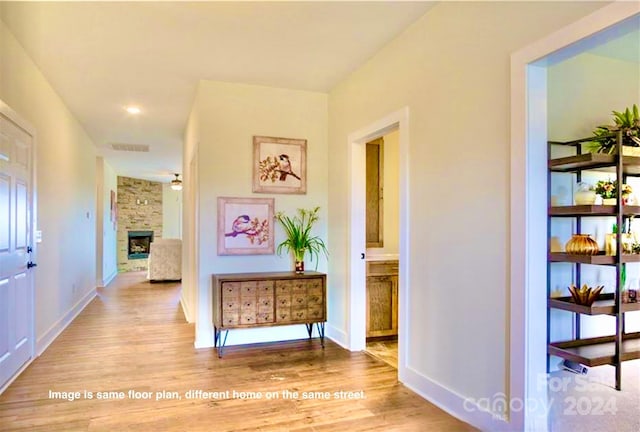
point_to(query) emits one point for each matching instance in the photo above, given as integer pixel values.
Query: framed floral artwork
(279, 165)
(245, 226)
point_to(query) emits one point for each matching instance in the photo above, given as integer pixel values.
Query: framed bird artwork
(245, 226)
(279, 165)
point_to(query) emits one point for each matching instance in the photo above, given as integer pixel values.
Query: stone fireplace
(139, 221)
(139, 243)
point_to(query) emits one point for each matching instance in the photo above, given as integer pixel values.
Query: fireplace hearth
(139, 244)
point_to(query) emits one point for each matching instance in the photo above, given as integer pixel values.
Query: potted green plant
(299, 239)
(627, 121)
(608, 190)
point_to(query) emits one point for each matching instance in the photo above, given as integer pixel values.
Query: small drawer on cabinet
(265, 302)
(247, 318)
(315, 312)
(299, 314)
(266, 317)
(298, 301)
(314, 299)
(283, 301)
(230, 305)
(230, 319)
(315, 290)
(315, 284)
(248, 304)
(248, 289)
(299, 287)
(283, 288)
(265, 288)
(283, 315)
(230, 290)
(382, 268)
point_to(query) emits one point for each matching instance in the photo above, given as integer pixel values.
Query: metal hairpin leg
(309, 328)
(219, 341)
(320, 326)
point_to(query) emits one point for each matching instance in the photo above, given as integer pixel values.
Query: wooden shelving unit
(594, 161)
(599, 259)
(598, 351)
(605, 305)
(621, 346)
(592, 210)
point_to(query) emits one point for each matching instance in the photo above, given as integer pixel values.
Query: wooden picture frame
(245, 226)
(279, 165)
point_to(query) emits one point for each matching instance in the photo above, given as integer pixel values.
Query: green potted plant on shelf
(627, 121)
(300, 240)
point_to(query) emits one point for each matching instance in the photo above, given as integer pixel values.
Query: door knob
(31, 264)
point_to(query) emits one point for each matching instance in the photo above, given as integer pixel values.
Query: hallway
(133, 337)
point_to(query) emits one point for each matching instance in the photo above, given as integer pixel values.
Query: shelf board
(604, 305)
(592, 210)
(582, 161)
(604, 162)
(597, 351)
(599, 259)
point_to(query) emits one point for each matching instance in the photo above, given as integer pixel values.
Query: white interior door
(16, 277)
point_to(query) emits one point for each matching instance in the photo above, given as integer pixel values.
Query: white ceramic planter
(586, 197)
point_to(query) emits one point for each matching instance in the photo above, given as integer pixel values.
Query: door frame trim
(356, 324)
(14, 117)
(527, 345)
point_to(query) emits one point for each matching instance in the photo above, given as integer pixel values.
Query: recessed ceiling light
(133, 110)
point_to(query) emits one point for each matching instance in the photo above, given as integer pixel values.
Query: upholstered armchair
(165, 260)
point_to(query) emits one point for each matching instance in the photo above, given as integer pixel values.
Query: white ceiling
(101, 57)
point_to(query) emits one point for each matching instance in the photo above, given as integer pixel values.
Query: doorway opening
(529, 201)
(382, 235)
(397, 252)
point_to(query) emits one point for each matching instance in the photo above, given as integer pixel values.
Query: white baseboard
(17, 374)
(465, 409)
(50, 335)
(204, 336)
(337, 335)
(106, 281)
(185, 308)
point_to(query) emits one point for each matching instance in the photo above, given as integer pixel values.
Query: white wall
(451, 69)
(190, 241)
(106, 228)
(582, 92)
(110, 229)
(171, 212)
(229, 116)
(66, 191)
(391, 198)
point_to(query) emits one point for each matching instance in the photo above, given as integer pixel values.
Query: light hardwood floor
(385, 350)
(134, 337)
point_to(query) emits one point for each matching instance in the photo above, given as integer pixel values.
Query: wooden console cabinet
(382, 298)
(246, 300)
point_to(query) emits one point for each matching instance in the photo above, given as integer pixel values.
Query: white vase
(609, 201)
(585, 197)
